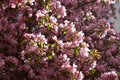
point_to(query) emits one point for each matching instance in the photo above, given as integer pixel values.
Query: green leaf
(40, 44)
(38, 58)
(49, 26)
(95, 54)
(26, 28)
(24, 41)
(29, 57)
(39, 23)
(42, 20)
(93, 71)
(64, 31)
(48, 7)
(47, 18)
(50, 57)
(51, 54)
(76, 51)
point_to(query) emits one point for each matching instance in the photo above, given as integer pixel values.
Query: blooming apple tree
(58, 40)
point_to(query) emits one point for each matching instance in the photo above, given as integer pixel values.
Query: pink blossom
(12, 60)
(109, 75)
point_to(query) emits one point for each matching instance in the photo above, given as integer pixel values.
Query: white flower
(31, 2)
(84, 52)
(109, 75)
(67, 44)
(73, 27)
(53, 19)
(39, 14)
(81, 76)
(67, 63)
(59, 42)
(66, 22)
(80, 34)
(54, 38)
(93, 65)
(13, 6)
(74, 67)
(112, 1)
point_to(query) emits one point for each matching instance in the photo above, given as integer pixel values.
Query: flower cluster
(91, 17)
(58, 40)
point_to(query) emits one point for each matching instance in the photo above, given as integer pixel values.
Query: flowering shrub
(58, 40)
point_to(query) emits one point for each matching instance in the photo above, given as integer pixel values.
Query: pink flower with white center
(80, 36)
(22, 55)
(109, 76)
(112, 38)
(25, 1)
(28, 35)
(59, 42)
(65, 57)
(114, 61)
(31, 2)
(71, 2)
(31, 73)
(118, 58)
(53, 19)
(90, 15)
(58, 9)
(67, 63)
(62, 12)
(81, 76)
(68, 44)
(24, 67)
(105, 31)
(74, 67)
(11, 59)
(93, 65)
(40, 13)
(112, 1)
(1, 62)
(100, 68)
(54, 38)
(66, 22)
(75, 43)
(13, 5)
(73, 29)
(108, 53)
(40, 37)
(84, 52)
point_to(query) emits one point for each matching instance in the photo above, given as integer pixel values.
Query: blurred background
(117, 19)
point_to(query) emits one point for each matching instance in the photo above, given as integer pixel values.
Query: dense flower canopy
(58, 40)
